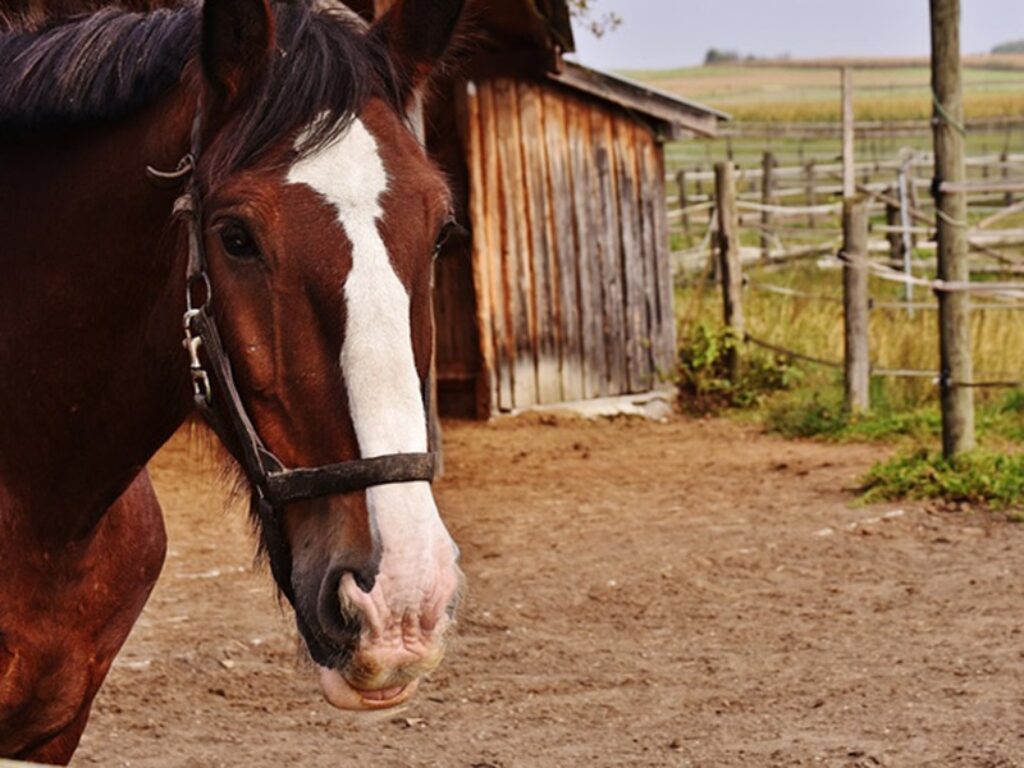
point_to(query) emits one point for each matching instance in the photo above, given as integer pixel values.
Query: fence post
(857, 365)
(951, 211)
(905, 180)
(684, 216)
(811, 193)
(912, 202)
(849, 182)
(1004, 159)
(767, 198)
(729, 266)
(892, 220)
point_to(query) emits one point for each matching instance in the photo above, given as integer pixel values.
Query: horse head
(318, 245)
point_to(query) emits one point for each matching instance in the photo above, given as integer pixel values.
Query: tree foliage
(717, 56)
(1017, 46)
(595, 22)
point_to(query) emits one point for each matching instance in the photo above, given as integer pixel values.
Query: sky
(657, 34)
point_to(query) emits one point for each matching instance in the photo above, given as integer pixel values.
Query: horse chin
(340, 694)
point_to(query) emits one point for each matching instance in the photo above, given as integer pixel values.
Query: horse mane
(85, 70)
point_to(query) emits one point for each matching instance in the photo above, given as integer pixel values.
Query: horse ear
(417, 34)
(237, 39)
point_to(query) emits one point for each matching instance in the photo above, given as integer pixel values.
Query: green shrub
(704, 382)
(981, 477)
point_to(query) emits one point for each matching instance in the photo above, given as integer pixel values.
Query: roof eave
(676, 114)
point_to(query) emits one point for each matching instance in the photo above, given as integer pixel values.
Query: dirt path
(690, 593)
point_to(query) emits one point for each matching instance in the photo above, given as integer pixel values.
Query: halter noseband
(272, 484)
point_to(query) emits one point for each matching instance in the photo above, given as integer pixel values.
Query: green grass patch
(821, 414)
(982, 477)
(817, 411)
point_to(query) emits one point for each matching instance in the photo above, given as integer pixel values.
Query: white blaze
(384, 389)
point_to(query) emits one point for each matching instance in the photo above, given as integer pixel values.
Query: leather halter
(272, 484)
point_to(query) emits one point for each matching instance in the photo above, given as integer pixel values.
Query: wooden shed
(562, 291)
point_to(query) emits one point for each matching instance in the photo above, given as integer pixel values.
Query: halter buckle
(201, 390)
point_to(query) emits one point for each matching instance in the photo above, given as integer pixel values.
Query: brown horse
(303, 251)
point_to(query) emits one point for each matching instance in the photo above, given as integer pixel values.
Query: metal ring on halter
(171, 179)
(191, 305)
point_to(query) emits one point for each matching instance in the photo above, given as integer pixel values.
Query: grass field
(799, 93)
(808, 94)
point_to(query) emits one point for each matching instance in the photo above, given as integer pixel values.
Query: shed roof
(673, 112)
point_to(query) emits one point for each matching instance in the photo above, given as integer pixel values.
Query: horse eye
(238, 242)
(449, 229)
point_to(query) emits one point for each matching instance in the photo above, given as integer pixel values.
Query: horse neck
(95, 379)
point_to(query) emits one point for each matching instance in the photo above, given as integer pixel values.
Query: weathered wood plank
(638, 368)
(541, 239)
(495, 255)
(583, 179)
(468, 106)
(649, 203)
(665, 352)
(567, 254)
(518, 267)
(609, 249)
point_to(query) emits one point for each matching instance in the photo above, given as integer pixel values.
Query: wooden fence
(846, 238)
(797, 209)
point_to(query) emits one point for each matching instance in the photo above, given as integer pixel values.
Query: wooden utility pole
(729, 266)
(849, 181)
(951, 212)
(857, 363)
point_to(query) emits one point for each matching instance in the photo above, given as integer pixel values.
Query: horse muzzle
(383, 672)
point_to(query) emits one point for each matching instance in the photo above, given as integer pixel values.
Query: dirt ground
(691, 593)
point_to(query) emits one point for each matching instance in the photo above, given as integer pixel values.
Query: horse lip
(388, 697)
(341, 694)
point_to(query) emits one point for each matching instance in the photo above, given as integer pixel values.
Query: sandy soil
(681, 594)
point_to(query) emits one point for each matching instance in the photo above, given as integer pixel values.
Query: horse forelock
(102, 67)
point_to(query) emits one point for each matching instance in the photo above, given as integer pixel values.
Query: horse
(240, 178)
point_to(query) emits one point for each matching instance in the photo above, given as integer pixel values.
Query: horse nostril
(337, 625)
(365, 579)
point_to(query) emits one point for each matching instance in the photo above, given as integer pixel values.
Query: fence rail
(803, 202)
(721, 252)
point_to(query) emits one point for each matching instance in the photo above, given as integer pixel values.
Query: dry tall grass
(898, 340)
(873, 108)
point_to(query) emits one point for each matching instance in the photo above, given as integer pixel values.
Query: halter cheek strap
(273, 485)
